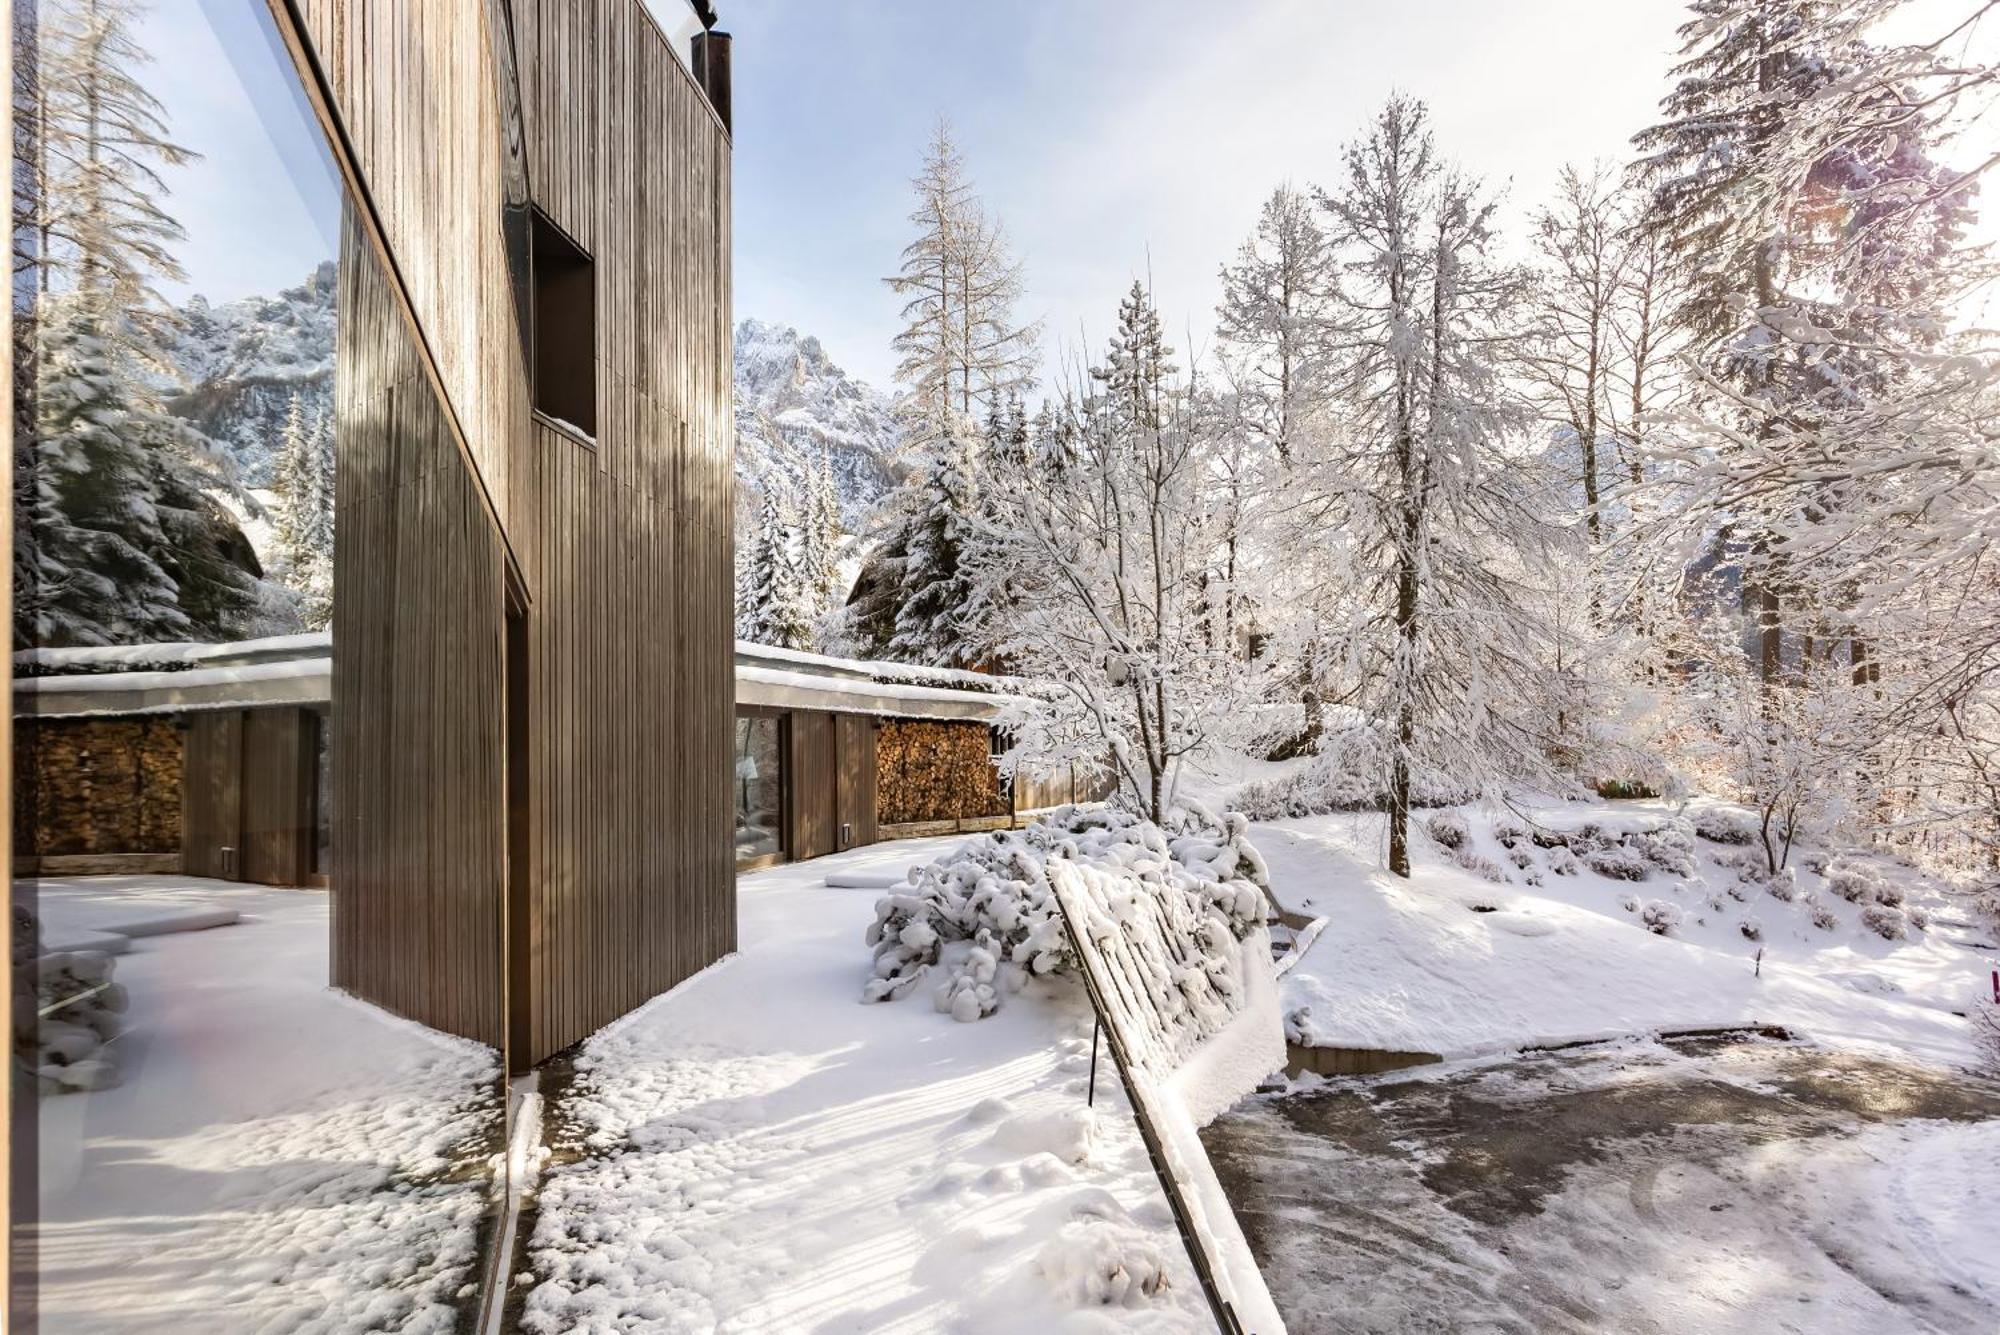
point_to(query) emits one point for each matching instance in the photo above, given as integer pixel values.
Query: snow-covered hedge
(1321, 786)
(986, 914)
(69, 1050)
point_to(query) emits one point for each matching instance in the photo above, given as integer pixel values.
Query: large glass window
(255, 1048)
(759, 787)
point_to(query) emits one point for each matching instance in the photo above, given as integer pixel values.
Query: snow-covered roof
(298, 670)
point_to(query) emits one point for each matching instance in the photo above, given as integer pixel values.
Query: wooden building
(531, 696)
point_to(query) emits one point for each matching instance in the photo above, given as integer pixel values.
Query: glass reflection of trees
(224, 1142)
(759, 791)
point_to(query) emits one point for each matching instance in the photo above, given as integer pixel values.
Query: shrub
(1507, 834)
(1853, 881)
(1479, 865)
(1450, 831)
(1630, 903)
(1919, 919)
(989, 903)
(1617, 862)
(1625, 789)
(1885, 921)
(1521, 858)
(1660, 917)
(1669, 847)
(1562, 862)
(1751, 928)
(1985, 1016)
(1824, 918)
(1783, 887)
(1724, 827)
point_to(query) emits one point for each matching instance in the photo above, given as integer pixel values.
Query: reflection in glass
(759, 792)
(225, 1142)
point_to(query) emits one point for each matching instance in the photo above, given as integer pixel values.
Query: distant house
(212, 760)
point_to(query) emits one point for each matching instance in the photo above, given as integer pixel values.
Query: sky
(1135, 138)
(1115, 139)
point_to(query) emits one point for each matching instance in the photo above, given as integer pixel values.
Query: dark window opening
(565, 329)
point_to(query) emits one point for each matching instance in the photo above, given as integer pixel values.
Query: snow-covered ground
(1454, 963)
(278, 1156)
(760, 1151)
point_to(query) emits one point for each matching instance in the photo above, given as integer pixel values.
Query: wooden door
(854, 779)
(211, 794)
(810, 787)
(280, 749)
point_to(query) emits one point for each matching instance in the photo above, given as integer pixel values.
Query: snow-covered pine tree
(302, 525)
(819, 537)
(1276, 320)
(936, 613)
(118, 537)
(1447, 664)
(778, 613)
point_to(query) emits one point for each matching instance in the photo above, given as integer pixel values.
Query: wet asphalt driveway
(1691, 1185)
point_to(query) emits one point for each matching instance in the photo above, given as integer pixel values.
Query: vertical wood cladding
(88, 785)
(631, 669)
(418, 850)
(247, 795)
(624, 548)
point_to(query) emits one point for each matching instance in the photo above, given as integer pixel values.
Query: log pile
(927, 771)
(97, 786)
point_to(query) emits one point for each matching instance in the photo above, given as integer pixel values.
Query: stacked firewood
(98, 786)
(927, 771)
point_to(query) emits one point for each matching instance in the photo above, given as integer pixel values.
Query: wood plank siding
(619, 548)
(418, 813)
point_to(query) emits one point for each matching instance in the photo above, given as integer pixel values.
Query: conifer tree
(118, 536)
(777, 613)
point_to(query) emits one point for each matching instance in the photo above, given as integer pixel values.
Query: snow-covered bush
(1508, 834)
(1670, 847)
(70, 1049)
(1562, 862)
(1520, 857)
(1332, 783)
(1752, 928)
(1985, 1016)
(1720, 826)
(1479, 865)
(1986, 909)
(1450, 831)
(1885, 921)
(986, 910)
(1617, 862)
(1919, 918)
(1853, 881)
(1630, 903)
(1660, 917)
(1783, 887)
(1824, 918)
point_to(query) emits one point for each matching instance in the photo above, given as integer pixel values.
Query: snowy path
(278, 1156)
(1732, 1189)
(758, 1151)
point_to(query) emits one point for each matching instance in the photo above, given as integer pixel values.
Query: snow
(760, 1152)
(1421, 965)
(279, 1156)
(85, 658)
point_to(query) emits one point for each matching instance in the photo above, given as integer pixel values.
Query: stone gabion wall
(96, 786)
(928, 771)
